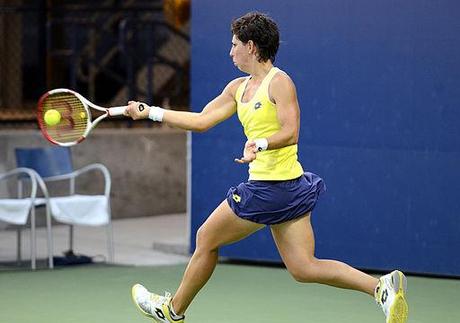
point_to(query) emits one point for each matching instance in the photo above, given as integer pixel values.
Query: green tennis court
(241, 293)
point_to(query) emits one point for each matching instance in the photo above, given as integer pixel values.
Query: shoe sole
(137, 305)
(399, 309)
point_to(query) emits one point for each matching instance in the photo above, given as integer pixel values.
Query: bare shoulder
(233, 85)
(283, 80)
(281, 86)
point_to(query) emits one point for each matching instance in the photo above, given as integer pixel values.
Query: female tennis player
(278, 193)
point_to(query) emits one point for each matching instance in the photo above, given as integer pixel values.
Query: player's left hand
(249, 153)
(137, 110)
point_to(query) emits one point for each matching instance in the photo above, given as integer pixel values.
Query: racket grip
(116, 111)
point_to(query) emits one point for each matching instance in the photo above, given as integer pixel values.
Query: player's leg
(222, 227)
(296, 244)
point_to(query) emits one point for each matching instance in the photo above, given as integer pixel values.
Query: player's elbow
(200, 128)
(202, 124)
(289, 134)
(294, 139)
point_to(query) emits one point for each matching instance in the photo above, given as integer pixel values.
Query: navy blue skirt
(273, 202)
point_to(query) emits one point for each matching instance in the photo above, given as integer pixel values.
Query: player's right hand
(137, 110)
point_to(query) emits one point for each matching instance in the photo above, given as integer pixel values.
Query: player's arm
(283, 92)
(219, 109)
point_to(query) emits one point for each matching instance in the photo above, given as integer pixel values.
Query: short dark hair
(262, 30)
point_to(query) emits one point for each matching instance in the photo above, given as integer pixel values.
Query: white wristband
(156, 113)
(261, 144)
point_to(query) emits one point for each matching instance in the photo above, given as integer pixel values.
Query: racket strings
(73, 117)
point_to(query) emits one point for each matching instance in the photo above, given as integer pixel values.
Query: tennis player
(279, 193)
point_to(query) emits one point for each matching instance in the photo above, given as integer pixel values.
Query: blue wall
(379, 88)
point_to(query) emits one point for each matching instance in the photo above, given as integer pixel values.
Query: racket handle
(116, 111)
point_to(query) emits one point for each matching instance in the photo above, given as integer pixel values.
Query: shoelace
(146, 303)
(154, 297)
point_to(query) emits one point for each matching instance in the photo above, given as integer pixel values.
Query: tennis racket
(64, 116)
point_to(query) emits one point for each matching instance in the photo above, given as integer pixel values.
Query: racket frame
(90, 125)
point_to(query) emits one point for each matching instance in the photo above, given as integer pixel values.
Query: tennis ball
(82, 115)
(52, 117)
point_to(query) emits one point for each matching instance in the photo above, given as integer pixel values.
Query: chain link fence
(109, 51)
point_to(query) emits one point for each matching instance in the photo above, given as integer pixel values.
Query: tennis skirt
(273, 202)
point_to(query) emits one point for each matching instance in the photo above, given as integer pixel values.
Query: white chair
(16, 210)
(54, 164)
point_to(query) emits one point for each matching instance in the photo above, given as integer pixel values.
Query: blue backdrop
(378, 84)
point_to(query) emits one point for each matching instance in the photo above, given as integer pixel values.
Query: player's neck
(260, 70)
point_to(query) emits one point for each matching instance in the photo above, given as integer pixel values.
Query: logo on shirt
(258, 105)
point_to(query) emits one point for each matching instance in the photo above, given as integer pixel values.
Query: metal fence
(110, 52)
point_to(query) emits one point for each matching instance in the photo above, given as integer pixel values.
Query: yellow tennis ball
(82, 115)
(52, 117)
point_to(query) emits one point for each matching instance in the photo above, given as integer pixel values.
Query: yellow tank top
(259, 120)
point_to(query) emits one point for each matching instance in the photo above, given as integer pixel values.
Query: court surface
(235, 294)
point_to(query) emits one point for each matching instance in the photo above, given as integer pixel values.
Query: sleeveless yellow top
(259, 120)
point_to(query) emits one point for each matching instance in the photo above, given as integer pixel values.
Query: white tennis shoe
(153, 305)
(390, 295)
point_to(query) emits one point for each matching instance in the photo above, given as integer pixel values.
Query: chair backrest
(46, 161)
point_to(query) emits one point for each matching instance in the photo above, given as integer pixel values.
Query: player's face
(239, 53)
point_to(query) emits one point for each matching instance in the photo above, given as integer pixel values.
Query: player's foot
(390, 295)
(155, 306)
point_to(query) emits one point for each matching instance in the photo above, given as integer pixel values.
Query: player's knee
(303, 274)
(304, 277)
(204, 241)
(201, 238)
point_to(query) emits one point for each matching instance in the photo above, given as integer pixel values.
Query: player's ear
(251, 46)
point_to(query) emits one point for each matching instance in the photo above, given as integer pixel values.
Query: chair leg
(71, 237)
(49, 231)
(19, 241)
(33, 241)
(18, 245)
(110, 242)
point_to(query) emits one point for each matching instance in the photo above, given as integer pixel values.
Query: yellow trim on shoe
(167, 312)
(399, 310)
